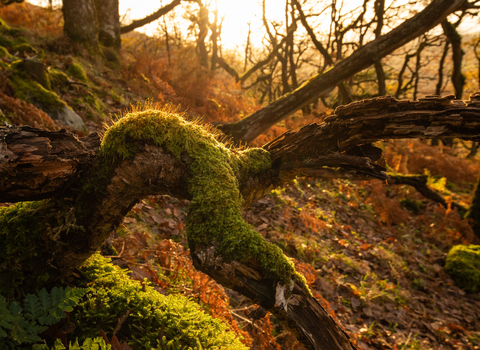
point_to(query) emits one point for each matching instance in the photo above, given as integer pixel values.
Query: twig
(120, 322)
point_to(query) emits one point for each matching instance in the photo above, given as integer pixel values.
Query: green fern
(22, 325)
(88, 344)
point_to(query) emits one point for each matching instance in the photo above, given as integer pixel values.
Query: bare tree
(455, 41)
(249, 128)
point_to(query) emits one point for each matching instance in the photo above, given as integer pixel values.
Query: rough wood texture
(247, 129)
(292, 305)
(80, 21)
(344, 135)
(94, 201)
(36, 164)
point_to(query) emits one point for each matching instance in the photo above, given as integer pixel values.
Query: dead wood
(95, 200)
(37, 164)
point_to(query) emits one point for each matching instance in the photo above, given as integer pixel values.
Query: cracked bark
(98, 201)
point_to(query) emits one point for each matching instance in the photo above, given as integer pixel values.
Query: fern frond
(22, 325)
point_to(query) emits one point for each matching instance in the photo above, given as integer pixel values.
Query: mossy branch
(158, 152)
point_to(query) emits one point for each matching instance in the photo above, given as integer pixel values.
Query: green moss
(4, 53)
(58, 79)
(30, 90)
(3, 25)
(93, 106)
(3, 118)
(76, 70)
(21, 40)
(29, 236)
(463, 264)
(19, 234)
(111, 294)
(214, 214)
(412, 205)
(24, 48)
(6, 42)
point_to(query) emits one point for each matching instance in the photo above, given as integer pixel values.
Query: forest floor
(374, 252)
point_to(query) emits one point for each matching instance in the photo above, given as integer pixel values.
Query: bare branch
(249, 128)
(150, 18)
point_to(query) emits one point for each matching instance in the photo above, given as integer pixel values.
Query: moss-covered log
(158, 152)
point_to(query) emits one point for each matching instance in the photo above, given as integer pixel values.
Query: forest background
(373, 251)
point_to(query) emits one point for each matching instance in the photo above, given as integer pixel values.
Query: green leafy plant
(153, 320)
(97, 343)
(22, 324)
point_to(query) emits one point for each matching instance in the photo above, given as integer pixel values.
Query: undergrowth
(173, 321)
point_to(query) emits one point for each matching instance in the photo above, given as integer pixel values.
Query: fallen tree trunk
(249, 128)
(37, 164)
(101, 185)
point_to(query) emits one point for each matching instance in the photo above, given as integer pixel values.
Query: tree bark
(108, 20)
(455, 40)
(252, 126)
(441, 64)
(202, 22)
(80, 21)
(36, 164)
(94, 194)
(380, 13)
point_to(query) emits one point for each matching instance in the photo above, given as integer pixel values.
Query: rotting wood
(344, 141)
(36, 164)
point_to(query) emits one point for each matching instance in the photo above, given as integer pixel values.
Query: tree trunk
(80, 21)
(458, 79)
(441, 64)
(108, 20)
(380, 13)
(95, 190)
(473, 213)
(252, 126)
(202, 21)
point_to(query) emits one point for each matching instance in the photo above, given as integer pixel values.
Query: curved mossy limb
(24, 48)
(214, 215)
(58, 79)
(151, 315)
(463, 265)
(4, 53)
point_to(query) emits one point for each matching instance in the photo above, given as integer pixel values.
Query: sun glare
(236, 16)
